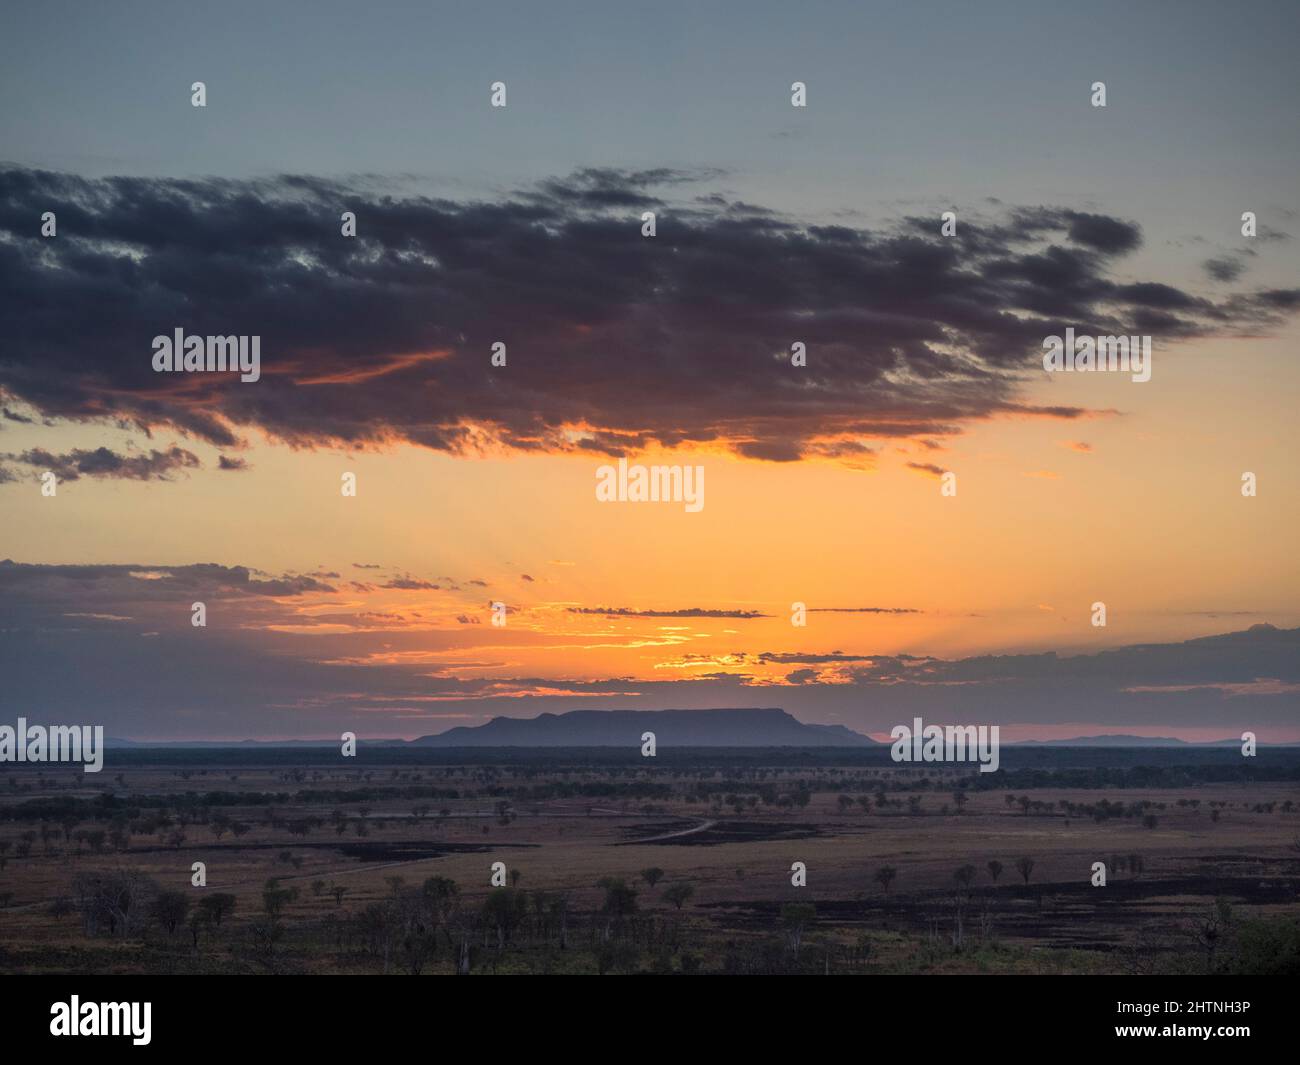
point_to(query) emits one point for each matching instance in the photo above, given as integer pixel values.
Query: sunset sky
(774, 225)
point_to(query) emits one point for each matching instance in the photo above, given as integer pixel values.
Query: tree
(885, 876)
(679, 893)
(275, 897)
(652, 876)
(995, 869)
(169, 910)
(965, 876)
(119, 900)
(217, 906)
(1025, 867)
(1211, 928)
(795, 917)
(441, 891)
(1267, 946)
(198, 922)
(503, 910)
(620, 901)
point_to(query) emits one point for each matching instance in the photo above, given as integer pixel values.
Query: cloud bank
(616, 342)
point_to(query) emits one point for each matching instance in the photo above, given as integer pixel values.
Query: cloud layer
(615, 341)
(296, 655)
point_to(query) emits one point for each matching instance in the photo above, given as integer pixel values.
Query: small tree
(218, 906)
(169, 910)
(795, 917)
(1025, 867)
(995, 869)
(275, 897)
(679, 894)
(885, 876)
(652, 876)
(198, 922)
(620, 900)
(504, 909)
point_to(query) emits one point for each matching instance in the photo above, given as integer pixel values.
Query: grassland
(388, 867)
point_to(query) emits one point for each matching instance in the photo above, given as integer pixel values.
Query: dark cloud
(226, 462)
(101, 462)
(1224, 268)
(678, 339)
(1236, 658)
(691, 612)
(862, 610)
(411, 584)
(1109, 235)
(927, 467)
(798, 657)
(42, 587)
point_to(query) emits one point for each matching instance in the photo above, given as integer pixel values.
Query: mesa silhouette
(672, 728)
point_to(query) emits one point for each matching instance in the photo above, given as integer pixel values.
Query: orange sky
(1139, 509)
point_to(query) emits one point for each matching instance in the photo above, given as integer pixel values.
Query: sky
(522, 225)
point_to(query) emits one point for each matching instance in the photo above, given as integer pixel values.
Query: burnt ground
(368, 851)
(681, 833)
(1071, 915)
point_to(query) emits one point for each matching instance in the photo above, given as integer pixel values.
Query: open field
(388, 867)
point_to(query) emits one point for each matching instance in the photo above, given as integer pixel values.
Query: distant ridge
(1118, 740)
(672, 728)
(681, 728)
